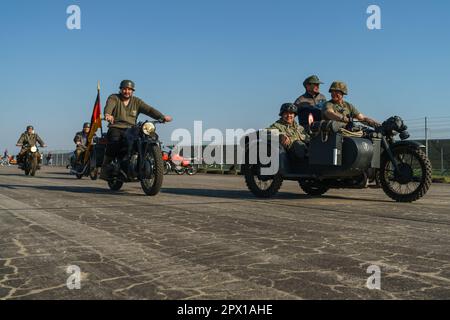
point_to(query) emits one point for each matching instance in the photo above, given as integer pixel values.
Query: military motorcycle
(347, 158)
(31, 161)
(92, 166)
(140, 159)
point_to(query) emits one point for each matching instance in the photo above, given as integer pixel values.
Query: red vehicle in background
(177, 163)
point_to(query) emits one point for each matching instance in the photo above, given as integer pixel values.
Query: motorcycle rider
(81, 140)
(122, 111)
(339, 110)
(28, 139)
(292, 135)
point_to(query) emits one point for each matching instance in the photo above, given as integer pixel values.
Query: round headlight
(148, 128)
(33, 149)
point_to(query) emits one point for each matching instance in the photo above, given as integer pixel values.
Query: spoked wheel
(180, 172)
(154, 168)
(191, 170)
(261, 186)
(313, 187)
(166, 167)
(413, 178)
(115, 184)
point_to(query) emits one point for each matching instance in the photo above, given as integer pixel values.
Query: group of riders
(122, 110)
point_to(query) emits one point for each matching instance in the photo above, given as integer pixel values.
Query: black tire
(313, 187)
(166, 168)
(180, 172)
(34, 165)
(254, 182)
(115, 185)
(418, 162)
(152, 186)
(192, 170)
(94, 174)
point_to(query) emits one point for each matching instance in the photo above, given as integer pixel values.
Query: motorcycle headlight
(148, 128)
(33, 149)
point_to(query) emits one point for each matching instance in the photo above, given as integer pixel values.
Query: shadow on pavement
(72, 189)
(244, 194)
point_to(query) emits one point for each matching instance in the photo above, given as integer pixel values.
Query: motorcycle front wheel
(412, 179)
(34, 165)
(152, 186)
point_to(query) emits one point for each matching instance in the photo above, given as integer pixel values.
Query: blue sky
(229, 63)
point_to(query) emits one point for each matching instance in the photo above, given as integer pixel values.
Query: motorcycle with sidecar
(340, 157)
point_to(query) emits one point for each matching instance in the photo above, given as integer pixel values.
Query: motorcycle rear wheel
(414, 178)
(191, 170)
(152, 186)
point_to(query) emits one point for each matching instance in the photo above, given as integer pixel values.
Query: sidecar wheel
(115, 185)
(313, 188)
(414, 178)
(261, 186)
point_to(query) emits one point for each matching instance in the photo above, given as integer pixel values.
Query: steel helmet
(127, 84)
(288, 107)
(339, 86)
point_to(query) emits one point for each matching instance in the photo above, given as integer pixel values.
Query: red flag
(96, 123)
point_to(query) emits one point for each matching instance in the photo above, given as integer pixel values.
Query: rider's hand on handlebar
(167, 119)
(109, 118)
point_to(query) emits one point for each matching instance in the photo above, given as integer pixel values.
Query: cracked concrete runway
(207, 237)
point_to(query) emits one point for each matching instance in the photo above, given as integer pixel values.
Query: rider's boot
(104, 171)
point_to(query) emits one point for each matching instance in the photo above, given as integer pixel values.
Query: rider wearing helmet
(292, 135)
(81, 140)
(122, 111)
(27, 140)
(339, 110)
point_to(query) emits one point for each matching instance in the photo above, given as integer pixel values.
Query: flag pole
(98, 92)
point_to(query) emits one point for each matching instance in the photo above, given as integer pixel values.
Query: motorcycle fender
(408, 143)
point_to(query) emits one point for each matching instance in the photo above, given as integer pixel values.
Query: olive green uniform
(125, 116)
(294, 132)
(82, 147)
(28, 140)
(345, 109)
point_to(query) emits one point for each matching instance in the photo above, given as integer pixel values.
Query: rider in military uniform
(312, 97)
(310, 103)
(122, 111)
(339, 110)
(81, 140)
(292, 135)
(27, 140)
